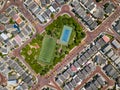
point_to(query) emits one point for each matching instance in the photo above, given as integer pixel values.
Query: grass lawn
(32, 51)
(47, 50)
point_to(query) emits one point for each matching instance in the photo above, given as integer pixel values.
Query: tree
(52, 15)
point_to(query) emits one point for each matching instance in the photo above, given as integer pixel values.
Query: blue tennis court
(66, 33)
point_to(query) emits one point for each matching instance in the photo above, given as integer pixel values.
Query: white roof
(52, 9)
(4, 36)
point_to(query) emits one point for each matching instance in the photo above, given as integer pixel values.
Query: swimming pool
(66, 33)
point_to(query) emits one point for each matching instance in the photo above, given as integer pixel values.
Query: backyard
(32, 51)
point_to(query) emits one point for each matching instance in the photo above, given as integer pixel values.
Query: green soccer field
(47, 51)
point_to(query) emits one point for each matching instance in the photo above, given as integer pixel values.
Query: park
(49, 48)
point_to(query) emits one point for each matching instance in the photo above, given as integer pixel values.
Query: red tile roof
(106, 38)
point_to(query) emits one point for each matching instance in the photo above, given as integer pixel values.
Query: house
(99, 13)
(55, 6)
(109, 7)
(65, 74)
(73, 82)
(88, 3)
(114, 57)
(40, 18)
(4, 19)
(28, 2)
(37, 11)
(77, 79)
(4, 36)
(116, 44)
(106, 38)
(12, 13)
(60, 2)
(59, 82)
(45, 16)
(81, 75)
(52, 9)
(100, 81)
(87, 55)
(48, 12)
(32, 7)
(66, 87)
(110, 53)
(117, 26)
(8, 10)
(61, 77)
(43, 3)
(117, 61)
(69, 71)
(80, 62)
(90, 51)
(96, 83)
(107, 48)
(76, 64)
(94, 49)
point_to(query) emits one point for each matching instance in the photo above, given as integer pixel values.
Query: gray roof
(12, 13)
(93, 86)
(21, 35)
(14, 43)
(43, 3)
(54, 5)
(48, 12)
(77, 79)
(91, 52)
(28, 28)
(83, 57)
(99, 59)
(108, 68)
(110, 53)
(87, 55)
(27, 2)
(24, 86)
(84, 72)
(91, 7)
(70, 85)
(59, 82)
(80, 61)
(116, 43)
(114, 57)
(101, 82)
(12, 77)
(117, 61)
(25, 32)
(73, 83)
(88, 3)
(80, 75)
(62, 78)
(96, 83)
(8, 10)
(69, 71)
(65, 74)
(109, 8)
(60, 1)
(45, 15)
(76, 64)
(94, 49)
(37, 11)
(33, 6)
(66, 87)
(84, 1)
(107, 48)
(22, 24)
